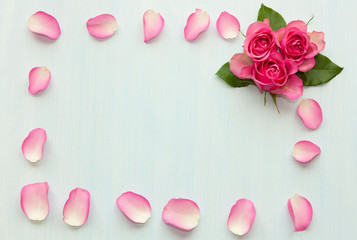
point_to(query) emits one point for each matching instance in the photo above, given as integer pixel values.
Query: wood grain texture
(153, 118)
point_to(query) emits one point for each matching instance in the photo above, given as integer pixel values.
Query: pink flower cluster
(271, 59)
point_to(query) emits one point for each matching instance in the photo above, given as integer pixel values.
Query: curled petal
(102, 26)
(44, 24)
(134, 206)
(256, 26)
(279, 35)
(34, 201)
(76, 209)
(300, 210)
(153, 24)
(301, 25)
(39, 78)
(307, 65)
(292, 89)
(310, 113)
(197, 23)
(319, 39)
(227, 26)
(181, 213)
(291, 66)
(241, 217)
(241, 66)
(32, 146)
(305, 151)
(311, 51)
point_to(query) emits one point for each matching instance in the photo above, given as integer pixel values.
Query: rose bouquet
(279, 58)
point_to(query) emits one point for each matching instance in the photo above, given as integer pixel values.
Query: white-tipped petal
(76, 209)
(134, 206)
(305, 151)
(181, 213)
(228, 26)
(241, 217)
(34, 201)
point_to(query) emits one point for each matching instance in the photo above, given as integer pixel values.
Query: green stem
(242, 33)
(310, 20)
(273, 96)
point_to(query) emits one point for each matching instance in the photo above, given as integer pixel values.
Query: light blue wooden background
(153, 118)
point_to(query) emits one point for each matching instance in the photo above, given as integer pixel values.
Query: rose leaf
(225, 73)
(276, 21)
(323, 71)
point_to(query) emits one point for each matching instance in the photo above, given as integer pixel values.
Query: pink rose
(298, 46)
(260, 41)
(271, 73)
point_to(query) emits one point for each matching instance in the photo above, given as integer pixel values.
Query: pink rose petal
(311, 51)
(134, 206)
(153, 24)
(307, 65)
(310, 113)
(227, 26)
(279, 35)
(301, 25)
(181, 213)
(197, 23)
(102, 26)
(34, 202)
(32, 146)
(39, 78)
(305, 151)
(292, 89)
(76, 209)
(44, 24)
(256, 26)
(241, 217)
(300, 210)
(319, 39)
(241, 65)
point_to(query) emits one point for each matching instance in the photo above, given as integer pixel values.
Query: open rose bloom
(272, 59)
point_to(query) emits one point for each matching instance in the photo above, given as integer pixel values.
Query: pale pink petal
(241, 217)
(76, 209)
(319, 39)
(307, 65)
(292, 89)
(181, 213)
(102, 26)
(34, 202)
(305, 151)
(301, 25)
(279, 35)
(39, 78)
(241, 65)
(256, 26)
(310, 113)
(44, 24)
(291, 66)
(134, 206)
(311, 51)
(197, 23)
(153, 24)
(32, 146)
(227, 26)
(300, 210)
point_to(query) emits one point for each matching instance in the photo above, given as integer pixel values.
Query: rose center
(273, 70)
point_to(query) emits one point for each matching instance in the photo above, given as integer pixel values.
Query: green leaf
(323, 71)
(276, 21)
(225, 73)
(273, 96)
